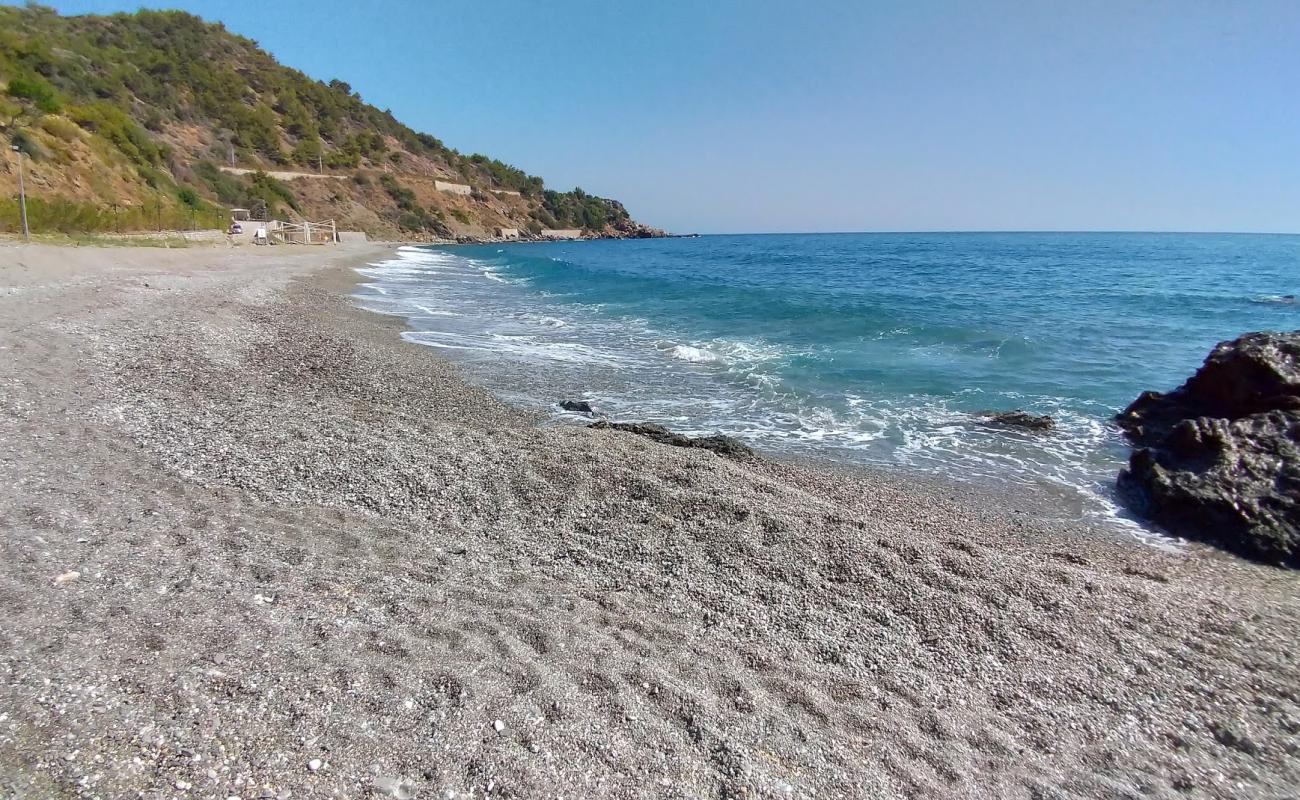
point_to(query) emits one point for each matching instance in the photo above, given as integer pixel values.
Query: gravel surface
(256, 546)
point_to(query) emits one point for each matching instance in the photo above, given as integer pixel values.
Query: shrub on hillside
(59, 127)
(577, 209)
(36, 91)
(307, 152)
(27, 143)
(228, 188)
(503, 175)
(269, 190)
(111, 123)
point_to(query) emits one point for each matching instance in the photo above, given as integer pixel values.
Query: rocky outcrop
(1218, 459)
(577, 406)
(722, 445)
(1019, 419)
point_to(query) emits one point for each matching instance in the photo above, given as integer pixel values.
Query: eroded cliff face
(1218, 459)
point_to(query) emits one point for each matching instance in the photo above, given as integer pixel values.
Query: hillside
(159, 119)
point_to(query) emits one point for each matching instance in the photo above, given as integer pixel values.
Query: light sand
(256, 546)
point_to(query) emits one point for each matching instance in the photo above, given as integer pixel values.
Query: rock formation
(1218, 459)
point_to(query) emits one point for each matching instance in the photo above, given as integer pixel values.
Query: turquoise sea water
(864, 348)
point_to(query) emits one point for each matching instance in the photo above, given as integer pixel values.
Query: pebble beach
(257, 546)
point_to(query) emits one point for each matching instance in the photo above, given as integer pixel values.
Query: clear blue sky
(748, 115)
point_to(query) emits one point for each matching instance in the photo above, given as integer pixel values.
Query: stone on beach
(1218, 459)
(722, 445)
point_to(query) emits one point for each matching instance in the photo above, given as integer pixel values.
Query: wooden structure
(305, 232)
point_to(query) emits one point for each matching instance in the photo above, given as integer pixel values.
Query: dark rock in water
(1020, 419)
(1218, 459)
(1253, 374)
(722, 445)
(580, 406)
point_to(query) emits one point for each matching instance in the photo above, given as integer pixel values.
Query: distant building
(507, 233)
(562, 233)
(453, 188)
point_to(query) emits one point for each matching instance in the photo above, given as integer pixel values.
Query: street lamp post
(22, 194)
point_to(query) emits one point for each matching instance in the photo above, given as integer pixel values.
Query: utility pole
(22, 194)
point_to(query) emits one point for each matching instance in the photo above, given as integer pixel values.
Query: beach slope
(255, 545)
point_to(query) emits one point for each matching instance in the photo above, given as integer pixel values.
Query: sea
(882, 350)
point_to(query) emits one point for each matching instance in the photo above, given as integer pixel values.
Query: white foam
(518, 346)
(435, 312)
(723, 351)
(743, 351)
(694, 355)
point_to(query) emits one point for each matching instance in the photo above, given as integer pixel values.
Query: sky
(757, 116)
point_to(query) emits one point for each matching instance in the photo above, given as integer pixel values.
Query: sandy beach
(257, 546)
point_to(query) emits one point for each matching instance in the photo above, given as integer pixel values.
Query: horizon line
(987, 230)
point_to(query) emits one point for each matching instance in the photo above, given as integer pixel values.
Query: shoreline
(1049, 501)
(299, 540)
(344, 280)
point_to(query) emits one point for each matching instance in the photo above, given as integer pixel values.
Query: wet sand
(254, 545)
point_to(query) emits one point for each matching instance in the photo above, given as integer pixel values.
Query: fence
(305, 232)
